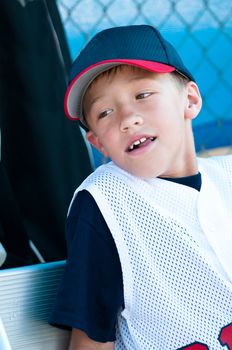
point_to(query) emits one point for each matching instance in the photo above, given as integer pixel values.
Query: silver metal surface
(26, 299)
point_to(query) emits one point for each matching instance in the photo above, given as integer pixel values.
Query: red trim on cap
(66, 101)
(148, 65)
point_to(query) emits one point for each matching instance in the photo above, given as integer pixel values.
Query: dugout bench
(26, 299)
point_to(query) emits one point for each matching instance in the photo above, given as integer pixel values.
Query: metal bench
(26, 299)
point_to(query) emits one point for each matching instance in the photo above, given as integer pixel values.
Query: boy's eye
(143, 95)
(105, 113)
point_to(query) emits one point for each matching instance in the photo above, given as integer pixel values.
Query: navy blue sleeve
(91, 291)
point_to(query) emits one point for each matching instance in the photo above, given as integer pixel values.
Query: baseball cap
(138, 45)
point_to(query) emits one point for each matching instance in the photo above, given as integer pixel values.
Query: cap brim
(79, 85)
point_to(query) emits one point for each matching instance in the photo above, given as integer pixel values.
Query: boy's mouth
(143, 141)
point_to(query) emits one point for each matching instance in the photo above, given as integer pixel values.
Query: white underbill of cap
(79, 87)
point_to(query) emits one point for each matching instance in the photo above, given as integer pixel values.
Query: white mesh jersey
(175, 247)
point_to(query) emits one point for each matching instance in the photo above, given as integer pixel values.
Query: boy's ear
(194, 101)
(95, 142)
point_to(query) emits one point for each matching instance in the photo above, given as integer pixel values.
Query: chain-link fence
(201, 30)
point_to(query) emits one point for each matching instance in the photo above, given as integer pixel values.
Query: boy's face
(142, 121)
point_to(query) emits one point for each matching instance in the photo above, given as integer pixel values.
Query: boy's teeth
(137, 142)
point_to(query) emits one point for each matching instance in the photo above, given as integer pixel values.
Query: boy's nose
(131, 121)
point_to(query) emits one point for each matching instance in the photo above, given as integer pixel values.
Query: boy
(149, 234)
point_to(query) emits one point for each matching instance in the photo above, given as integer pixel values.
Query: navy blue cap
(138, 45)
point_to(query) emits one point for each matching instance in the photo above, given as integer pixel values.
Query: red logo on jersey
(195, 346)
(225, 338)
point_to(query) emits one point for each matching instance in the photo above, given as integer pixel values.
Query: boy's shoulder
(218, 168)
(215, 161)
(104, 173)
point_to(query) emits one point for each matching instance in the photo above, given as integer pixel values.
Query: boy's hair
(179, 78)
(138, 45)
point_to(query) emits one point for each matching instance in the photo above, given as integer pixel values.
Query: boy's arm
(80, 341)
